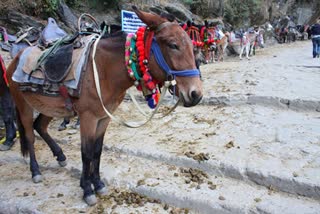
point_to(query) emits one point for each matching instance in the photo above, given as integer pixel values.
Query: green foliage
(40, 8)
(50, 6)
(187, 2)
(237, 12)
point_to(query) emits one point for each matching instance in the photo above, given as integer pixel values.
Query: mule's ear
(151, 20)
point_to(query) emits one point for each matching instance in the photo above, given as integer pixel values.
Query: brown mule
(177, 50)
(222, 45)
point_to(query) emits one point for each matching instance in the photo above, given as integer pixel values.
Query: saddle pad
(31, 55)
(28, 62)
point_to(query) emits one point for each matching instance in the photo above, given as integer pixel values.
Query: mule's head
(176, 49)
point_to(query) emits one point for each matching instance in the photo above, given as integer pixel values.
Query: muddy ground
(255, 131)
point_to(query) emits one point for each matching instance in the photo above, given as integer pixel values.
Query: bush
(239, 12)
(51, 6)
(39, 8)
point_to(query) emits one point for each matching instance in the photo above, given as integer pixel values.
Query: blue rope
(155, 48)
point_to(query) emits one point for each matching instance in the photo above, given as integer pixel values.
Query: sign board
(130, 22)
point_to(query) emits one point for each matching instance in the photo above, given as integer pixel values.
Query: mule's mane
(114, 35)
(169, 17)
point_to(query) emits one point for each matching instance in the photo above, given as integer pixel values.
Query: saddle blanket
(26, 73)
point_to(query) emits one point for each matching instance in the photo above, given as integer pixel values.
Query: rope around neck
(130, 124)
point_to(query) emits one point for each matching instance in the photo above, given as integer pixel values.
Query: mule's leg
(41, 126)
(27, 138)
(223, 50)
(220, 53)
(211, 56)
(251, 50)
(241, 51)
(206, 53)
(99, 186)
(247, 50)
(88, 140)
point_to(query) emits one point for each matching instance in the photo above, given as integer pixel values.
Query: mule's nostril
(194, 95)
(193, 99)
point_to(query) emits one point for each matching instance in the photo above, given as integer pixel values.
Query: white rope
(134, 100)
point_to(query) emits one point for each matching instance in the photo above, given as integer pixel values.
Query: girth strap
(64, 93)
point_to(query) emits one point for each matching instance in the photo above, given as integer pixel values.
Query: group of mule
(166, 57)
(292, 34)
(210, 41)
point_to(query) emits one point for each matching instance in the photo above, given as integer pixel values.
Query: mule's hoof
(90, 200)
(62, 163)
(103, 191)
(37, 179)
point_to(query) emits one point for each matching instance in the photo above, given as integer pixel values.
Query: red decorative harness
(142, 49)
(194, 35)
(3, 67)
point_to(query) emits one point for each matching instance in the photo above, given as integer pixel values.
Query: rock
(179, 13)
(67, 16)
(229, 145)
(72, 132)
(222, 198)
(257, 200)
(18, 20)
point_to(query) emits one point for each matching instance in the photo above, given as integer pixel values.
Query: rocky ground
(251, 146)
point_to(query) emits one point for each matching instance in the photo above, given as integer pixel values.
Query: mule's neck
(110, 60)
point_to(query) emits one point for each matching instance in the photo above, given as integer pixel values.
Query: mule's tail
(23, 139)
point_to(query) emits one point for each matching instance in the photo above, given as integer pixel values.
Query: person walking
(315, 35)
(7, 107)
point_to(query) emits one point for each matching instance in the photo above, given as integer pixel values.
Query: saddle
(56, 62)
(238, 34)
(51, 33)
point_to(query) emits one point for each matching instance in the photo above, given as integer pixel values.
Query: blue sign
(130, 22)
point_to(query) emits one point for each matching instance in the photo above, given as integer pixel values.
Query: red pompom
(139, 44)
(146, 77)
(151, 85)
(140, 49)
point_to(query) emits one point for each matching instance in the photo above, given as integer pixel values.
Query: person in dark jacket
(315, 35)
(7, 107)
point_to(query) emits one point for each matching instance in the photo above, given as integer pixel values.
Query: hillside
(236, 13)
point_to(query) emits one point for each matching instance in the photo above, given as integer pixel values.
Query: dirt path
(253, 145)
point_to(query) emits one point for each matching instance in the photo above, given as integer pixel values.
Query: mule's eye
(173, 46)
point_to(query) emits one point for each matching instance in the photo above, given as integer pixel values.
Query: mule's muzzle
(194, 98)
